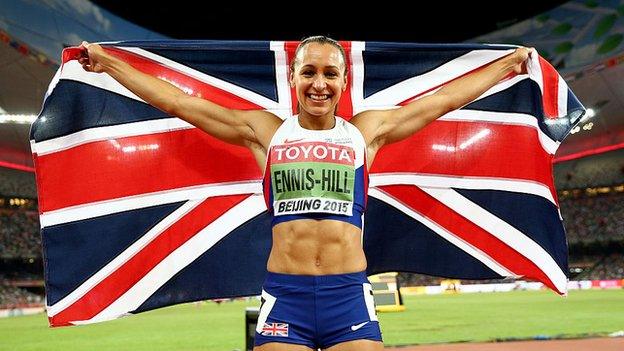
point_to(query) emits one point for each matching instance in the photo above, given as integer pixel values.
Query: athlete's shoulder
(271, 118)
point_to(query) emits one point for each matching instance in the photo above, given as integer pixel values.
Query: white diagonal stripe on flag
(562, 97)
(503, 85)
(205, 78)
(417, 85)
(123, 257)
(462, 182)
(509, 118)
(109, 132)
(97, 209)
(182, 257)
(503, 231)
(450, 237)
(72, 70)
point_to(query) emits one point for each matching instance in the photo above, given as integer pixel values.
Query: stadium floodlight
(22, 119)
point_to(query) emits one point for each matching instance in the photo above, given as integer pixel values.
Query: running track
(594, 344)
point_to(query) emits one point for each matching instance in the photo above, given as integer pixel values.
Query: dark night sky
(434, 21)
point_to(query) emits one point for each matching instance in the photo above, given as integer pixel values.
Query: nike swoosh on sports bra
(316, 174)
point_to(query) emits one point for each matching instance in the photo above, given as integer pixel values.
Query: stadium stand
(21, 267)
(604, 266)
(594, 218)
(19, 234)
(13, 296)
(17, 183)
(600, 170)
(610, 267)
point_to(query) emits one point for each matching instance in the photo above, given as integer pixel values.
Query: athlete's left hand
(520, 57)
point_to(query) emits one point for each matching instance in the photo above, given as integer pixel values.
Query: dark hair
(320, 39)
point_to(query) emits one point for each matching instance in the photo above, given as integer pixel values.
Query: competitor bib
(312, 177)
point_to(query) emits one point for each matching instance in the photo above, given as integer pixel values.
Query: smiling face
(319, 78)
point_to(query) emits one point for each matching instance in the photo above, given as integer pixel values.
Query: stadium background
(583, 39)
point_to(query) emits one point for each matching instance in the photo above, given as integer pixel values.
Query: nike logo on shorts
(358, 326)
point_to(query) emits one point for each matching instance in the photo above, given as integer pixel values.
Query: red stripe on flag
(137, 165)
(188, 84)
(502, 151)
(550, 96)
(123, 278)
(266, 186)
(459, 226)
(102, 170)
(345, 105)
(290, 47)
(72, 53)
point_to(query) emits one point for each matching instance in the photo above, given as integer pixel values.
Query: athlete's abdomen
(316, 247)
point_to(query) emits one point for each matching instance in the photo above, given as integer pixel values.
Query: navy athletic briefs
(317, 311)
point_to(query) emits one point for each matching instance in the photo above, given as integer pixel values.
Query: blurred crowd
(595, 218)
(17, 183)
(19, 234)
(12, 296)
(600, 170)
(607, 267)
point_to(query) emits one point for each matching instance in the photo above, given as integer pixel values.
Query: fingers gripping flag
(141, 210)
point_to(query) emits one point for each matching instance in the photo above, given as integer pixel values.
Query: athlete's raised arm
(381, 127)
(252, 129)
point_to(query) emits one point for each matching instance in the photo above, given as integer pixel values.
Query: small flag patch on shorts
(275, 329)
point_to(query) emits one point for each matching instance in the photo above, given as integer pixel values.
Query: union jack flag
(275, 329)
(141, 210)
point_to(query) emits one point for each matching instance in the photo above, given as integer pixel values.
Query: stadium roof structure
(583, 39)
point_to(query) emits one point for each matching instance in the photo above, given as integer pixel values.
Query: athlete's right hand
(91, 57)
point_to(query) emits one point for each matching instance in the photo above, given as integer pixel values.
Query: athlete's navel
(318, 261)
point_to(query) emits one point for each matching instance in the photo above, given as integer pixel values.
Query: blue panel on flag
(75, 251)
(386, 64)
(533, 215)
(100, 108)
(250, 66)
(514, 99)
(235, 266)
(409, 246)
